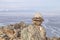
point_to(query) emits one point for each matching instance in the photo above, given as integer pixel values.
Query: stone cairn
(13, 32)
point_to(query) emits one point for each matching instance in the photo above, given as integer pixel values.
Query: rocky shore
(13, 32)
(21, 30)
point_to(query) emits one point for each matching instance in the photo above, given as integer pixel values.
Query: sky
(48, 7)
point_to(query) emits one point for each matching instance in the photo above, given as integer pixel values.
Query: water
(51, 23)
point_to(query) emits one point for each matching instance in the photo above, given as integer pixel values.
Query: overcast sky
(44, 6)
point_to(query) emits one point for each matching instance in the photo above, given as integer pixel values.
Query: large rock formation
(30, 32)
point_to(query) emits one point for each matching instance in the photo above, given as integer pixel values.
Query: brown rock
(54, 38)
(9, 33)
(2, 38)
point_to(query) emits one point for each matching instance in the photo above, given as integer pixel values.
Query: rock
(2, 38)
(22, 31)
(54, 38)
(58, 38)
